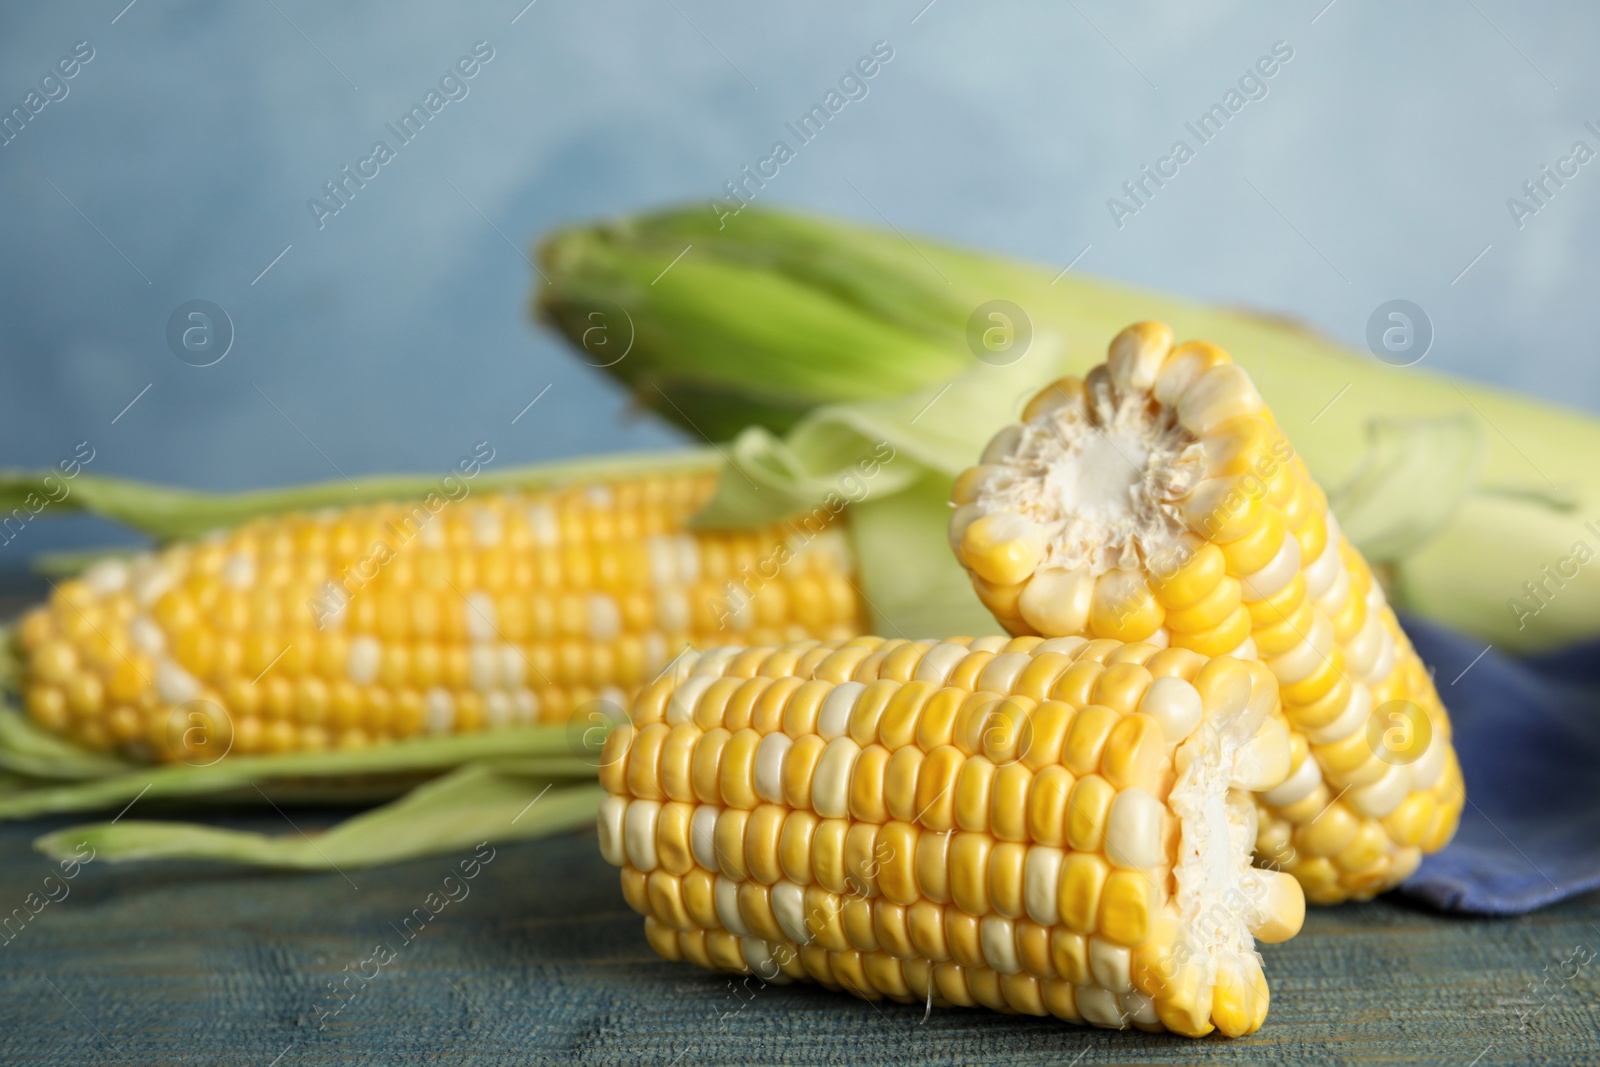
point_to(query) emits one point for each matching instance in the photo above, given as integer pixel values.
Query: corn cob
(782, 314)
(351, 627)
(1055, 827)
(1155, 500)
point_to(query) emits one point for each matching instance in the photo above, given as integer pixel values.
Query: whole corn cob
(350, 627)
(1055, 827)
(1469, 497)
(1156, 500)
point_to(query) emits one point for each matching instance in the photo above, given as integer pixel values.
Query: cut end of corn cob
(1155, 500)
(1051, 827)
(352, 627)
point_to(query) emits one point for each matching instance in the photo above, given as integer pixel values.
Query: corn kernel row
(985, 821)
(1224, 545)
(379, 622)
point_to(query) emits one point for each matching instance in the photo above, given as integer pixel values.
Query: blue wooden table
(538, 960)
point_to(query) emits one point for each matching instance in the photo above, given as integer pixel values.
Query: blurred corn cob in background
(1459, 494)
(1055, 827)
(349, 627)
(1156, 500)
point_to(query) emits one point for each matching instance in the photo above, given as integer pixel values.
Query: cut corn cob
(351, 627)
(1049, 827)
(1155, 500)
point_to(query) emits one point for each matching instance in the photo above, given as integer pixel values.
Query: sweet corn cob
(377, 622)
(1155, 500)
(1050, 827)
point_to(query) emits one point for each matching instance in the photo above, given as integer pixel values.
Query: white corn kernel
(439, 711)
(672, 610)
(703, 836)
(726, 895)
(1307, 656)
(999, 941)
(662, 557)
(639, 831)
(769, 766)
(107, 577)
(1041, 875)
(1133, 830)
(1264, 759)
(1001, 673)
(1301, 781)
(1175, 704)
(1380, 798)
(1280, 908)
(681, 705)
(830, 786)
(513, 667)
(1110, 965)
(480, 617)
(497, 709)
(174, 684)
(1427, 768)
(937, 663)
(1321, 571)
(605, 618)
(1056, 600)
(789, 908)
(688, 558)
(1388, 652)
(1067, 646)
(608, 826)
(1221, 393)
(1275, 577)
(833, 720)
(483, 667)
(1354, 717)
(147, 636)
(1099, 1007)
(1139, 1008)
(239, 571)
(526, 703)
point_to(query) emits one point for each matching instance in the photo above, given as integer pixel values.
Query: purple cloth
(1527, 732)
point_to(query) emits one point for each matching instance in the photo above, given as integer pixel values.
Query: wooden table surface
(541, 962)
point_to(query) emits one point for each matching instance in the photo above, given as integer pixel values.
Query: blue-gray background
(181, 161)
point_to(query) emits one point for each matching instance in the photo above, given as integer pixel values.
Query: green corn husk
(449, 792)
(438, 793)
(1460, 494)
(775, 310)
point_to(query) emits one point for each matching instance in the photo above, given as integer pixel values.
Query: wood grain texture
(542, 962)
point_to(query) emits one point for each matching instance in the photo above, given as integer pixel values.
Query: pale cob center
(1051, 827)
(1103, 484)
(1101, 479)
